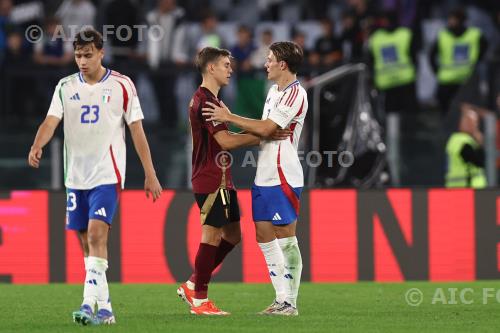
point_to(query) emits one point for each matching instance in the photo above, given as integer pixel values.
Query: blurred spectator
(364, 21)
(119, 13)
(251, 86)
(300, 39)
(5, 10)
(392, 57)
(170, 19)
(328, 48)
(259, 56)
(269, 9)
(52, 49)
(209, 35)
(243, 49)
(76, 14)
(465, 152)
(351, 37)
(16, 53)
(454, 56)
(18, 95)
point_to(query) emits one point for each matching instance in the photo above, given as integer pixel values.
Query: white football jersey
(278, 160)
(94, 127)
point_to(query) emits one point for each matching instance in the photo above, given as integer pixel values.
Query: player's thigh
(210, 235)
(77, 210)
(97, 232)
(103, 203)
(232, 232)
(285, 230)
(264, 231)
(221, 211)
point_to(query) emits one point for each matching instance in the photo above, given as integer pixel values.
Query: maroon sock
(222, 250)
(203, 267)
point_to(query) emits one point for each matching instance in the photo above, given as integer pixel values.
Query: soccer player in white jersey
(95, 104)
(279, 179)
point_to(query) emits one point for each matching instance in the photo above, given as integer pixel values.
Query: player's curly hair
(289, 52)
(86, 37)
(208, 55)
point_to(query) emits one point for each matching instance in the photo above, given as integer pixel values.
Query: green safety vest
(457, 55)
(461, 173)
(392, 60)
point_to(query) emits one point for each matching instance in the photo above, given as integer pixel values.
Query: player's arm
(261, 128)
(228, 140)
(43, 135)
(151, 183)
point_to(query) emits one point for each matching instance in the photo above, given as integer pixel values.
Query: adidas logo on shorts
(276, 217)
(100, 212)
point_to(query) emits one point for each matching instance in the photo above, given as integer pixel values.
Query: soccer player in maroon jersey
(211, 178)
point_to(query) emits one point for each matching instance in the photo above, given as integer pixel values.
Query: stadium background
(385, 218)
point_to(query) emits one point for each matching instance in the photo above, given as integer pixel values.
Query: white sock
(276, 266)
(96, 285)
(190, 285)
(198, 302)
(293, 267)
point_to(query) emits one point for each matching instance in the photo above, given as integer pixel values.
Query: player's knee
(211, 239)
(232, 235)
(263, 236)
(234, 239)
(95, 240)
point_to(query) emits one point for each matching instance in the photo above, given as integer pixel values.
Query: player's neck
(94, 77)
(285, 80)
(211, 85)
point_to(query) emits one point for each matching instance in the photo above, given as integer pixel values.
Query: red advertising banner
(345, 236)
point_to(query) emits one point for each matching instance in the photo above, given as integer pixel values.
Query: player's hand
(34, 156)
(281, 134)
(216, 113)
(152, 186)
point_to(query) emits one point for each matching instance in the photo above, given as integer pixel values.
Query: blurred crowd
(331, 33)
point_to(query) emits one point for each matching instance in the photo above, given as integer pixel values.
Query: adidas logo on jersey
(75, 97)
(276, 217)
(101, 212)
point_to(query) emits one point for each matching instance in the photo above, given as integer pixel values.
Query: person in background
(53, 50)
(465, 152)
(209, 36)
(170, 18)
(328, 48)
(454, 56)
(75, 15)
(5, 10)
(259, 55)
(243, 49)
(392, 57)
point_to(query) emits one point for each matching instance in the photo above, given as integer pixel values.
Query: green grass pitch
(360, 307)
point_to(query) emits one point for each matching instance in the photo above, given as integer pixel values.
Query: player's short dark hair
(208, 55)
(86, 37)
(289, 52)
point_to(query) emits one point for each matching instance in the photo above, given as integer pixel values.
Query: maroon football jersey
(207, 157)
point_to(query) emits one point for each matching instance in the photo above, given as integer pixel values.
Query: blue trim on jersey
(104, 77)
(291, 84)
(99, 203)
(269, 203)
(108, 73)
